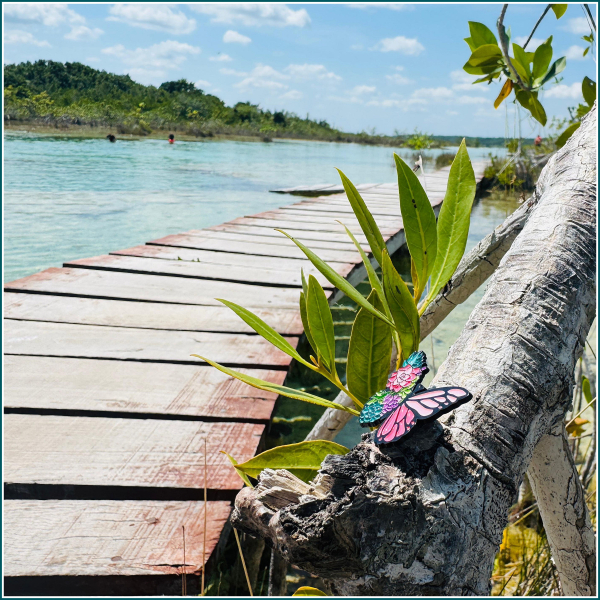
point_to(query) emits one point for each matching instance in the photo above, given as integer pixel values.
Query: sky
(372, 67)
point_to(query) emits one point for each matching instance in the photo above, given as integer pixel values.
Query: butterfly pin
(404, 401)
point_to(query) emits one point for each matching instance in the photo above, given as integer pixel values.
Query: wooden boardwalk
(106, 413)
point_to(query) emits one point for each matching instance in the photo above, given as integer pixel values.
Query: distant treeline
(60, 95)
(475, 142)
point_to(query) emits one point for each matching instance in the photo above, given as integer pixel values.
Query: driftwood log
(425, 516)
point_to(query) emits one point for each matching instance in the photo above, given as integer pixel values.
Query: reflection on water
(67, 198)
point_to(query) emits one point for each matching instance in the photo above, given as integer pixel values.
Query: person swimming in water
(111, 138)
(171, 138)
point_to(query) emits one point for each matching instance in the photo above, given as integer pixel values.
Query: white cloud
(579, 26)
(23, 37)
(399, 79)
(464, 81)
(81, 32)
(148, 64)
(409, 46)
(233, 72)
(221, 58)
(262, 76)
(564, 91)
(533, 45)
(438, 93)
(576, 53)
(233, 37)
(349, 99)
(157, 17)
(251, 14)
(472, 100)
(202, 84)
(36, 12)
(363, 89)
(292, 95)
(307, 71)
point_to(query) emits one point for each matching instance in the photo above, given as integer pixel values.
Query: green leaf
(481, 35)
(470, 43)
(365, 218)
(566, 134)
(487, 69)
(320, 323)
(485, 54)
(588, 89)
(302, 459)
(586, 51)
(403, 308)
(304, 317)
(453, 221)
(559, 9)
(556, 68)
(541, 59)
(521, 58)
(264, 330)
(369, 352)
(529, 101)
(337, 280)
(267, 386)
(419, 222)
(373, 279)
(586, 388)
(242, 475)
(306, 590)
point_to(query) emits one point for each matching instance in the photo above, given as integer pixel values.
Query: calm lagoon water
(72, 198)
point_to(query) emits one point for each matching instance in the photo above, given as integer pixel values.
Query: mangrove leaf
(320, 323)
(369, 352)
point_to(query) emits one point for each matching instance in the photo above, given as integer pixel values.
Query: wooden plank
(108, 538)
(195, 270)
(323, 242)
(71, 384)
(313, 226)
(319, 207)
(340, 237)
(153, 288)
(144, 453)
(224, 245)
(225, 258)
(145, 315)
(34, 338)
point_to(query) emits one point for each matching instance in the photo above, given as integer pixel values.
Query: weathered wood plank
(145, 315)
(98, 451)
(339, 237)
(244, 247)
(318, 244)
(194, 270)
(226, 258)
(70, 384)
(108, 538)
(35, 338)
(153, 288)
(390, 227)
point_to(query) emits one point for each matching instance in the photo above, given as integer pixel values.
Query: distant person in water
(111, 138)
(538, 140)
(171, 138)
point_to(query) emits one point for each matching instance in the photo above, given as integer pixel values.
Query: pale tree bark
(425, 516)
(561, 502)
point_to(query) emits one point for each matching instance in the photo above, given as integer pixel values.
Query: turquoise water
(72, 198)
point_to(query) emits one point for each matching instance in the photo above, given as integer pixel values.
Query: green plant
(419, 141)
(524, 72)
(390, 314)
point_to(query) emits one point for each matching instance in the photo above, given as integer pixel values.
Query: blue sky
(362, 66)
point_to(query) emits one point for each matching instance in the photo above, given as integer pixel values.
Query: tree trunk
(561, 502)
(425, 516)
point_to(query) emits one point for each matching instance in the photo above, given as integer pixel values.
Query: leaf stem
(536, 25)
(504, 46)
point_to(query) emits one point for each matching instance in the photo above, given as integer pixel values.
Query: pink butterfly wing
(400, 422)
(419, 406)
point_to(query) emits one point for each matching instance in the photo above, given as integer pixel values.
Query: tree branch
(504, 46)
(536, 25)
